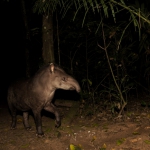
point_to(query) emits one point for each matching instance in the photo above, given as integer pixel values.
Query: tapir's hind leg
(13, 110)
(14, 117)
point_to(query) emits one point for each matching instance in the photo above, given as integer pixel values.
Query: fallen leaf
(25, 146)
(147, 127)
(19, 120)
(94, 138)
(120, 141)
(104, 145)
(75, 147)
(147, 141)
(135, 140)
(136, 133)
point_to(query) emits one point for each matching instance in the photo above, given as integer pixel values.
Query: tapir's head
(59, 79)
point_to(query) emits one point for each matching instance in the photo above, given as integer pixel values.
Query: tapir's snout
(74, 85)
(78, 89)
(74, 88)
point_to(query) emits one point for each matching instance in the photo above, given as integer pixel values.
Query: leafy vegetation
(119, 73)
(105, 44)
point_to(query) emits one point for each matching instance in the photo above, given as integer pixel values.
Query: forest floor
(97, 132)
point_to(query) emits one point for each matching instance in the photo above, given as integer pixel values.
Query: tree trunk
(26, 38)
(48, 47)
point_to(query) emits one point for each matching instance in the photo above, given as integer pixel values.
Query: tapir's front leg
(51, 108)
(26, 120)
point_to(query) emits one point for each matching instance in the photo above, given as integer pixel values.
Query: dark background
(12, 50)
(74, 39)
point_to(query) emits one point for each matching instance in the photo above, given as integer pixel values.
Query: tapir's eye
(64, 79)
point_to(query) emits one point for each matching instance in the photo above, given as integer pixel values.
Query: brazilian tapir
(37, 93)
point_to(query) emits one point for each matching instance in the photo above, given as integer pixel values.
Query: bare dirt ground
(91, 133)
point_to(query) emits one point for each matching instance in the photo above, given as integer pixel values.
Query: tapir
(37, 93)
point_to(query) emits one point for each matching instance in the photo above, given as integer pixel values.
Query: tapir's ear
(52, 67)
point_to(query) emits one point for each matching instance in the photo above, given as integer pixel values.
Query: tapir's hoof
(40, 135)
(12, 128)
(28, 128)
(57, 124)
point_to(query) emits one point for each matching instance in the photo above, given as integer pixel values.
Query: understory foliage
(105, 45)
(82, 52)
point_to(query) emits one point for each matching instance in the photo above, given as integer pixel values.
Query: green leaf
(136, 133)
(97, 5)
(105, 8)
(122, 2)
(25, 146)
(113, 12)
(89, 81)
(74, 147)
(120, 141)
(91, 4)
(147, 141)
